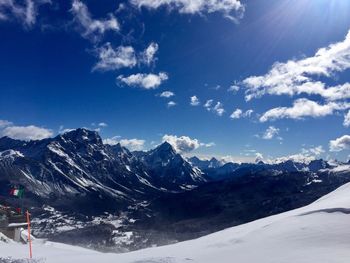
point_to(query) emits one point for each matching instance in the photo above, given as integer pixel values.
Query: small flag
(17, 192)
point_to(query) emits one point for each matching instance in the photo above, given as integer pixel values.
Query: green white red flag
(17, 192)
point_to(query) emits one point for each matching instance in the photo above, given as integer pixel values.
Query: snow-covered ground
(316, 233)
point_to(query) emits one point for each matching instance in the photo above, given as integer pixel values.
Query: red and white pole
(29, 239)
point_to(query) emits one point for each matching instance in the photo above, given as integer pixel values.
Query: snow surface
(318, 233)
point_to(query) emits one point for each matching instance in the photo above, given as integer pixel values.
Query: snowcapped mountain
(205, 164)
(230, 170)
(77, 164)
(170, 169)
(77, 186)
(318, 232)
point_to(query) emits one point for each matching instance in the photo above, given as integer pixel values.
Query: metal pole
(29, 239)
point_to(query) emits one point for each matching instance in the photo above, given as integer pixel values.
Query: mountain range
(85, 192)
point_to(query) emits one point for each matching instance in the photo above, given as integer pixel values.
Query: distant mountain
(213, 163)
(170, 170)
(231, 170)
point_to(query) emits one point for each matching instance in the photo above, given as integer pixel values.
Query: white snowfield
(316, 233)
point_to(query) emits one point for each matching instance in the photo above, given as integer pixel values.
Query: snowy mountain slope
(71, 168)
(318, 233)
(77, 165)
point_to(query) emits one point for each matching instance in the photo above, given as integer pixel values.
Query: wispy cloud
(112, 141)
(208, 104)
(89, 27)
(25, 12)
(238, 113)
(102, 124)
(166, 94)
(148, 55)
(131, 144)
(270, 133)
(146, 81)
(232, 9)
(346, 122)
(112, 59)
(171, 104)
(62, 129)
(219, 108)
(316, 151)
(5, 123)
(233, 88)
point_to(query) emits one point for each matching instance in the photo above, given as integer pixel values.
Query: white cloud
(146, 81)
(270, 133)
(259, 157)
(248, 113)
(131, 144)
(303, 108)
(299, 157)
(233, 88)
(316, 151)
(194, 101)
(27, 133)
(167, 94)
(296, 76)
(5, 123)
(236, 159)
(112, 59)
(24, 11)
(62, 129)
(148, 55)
(112, 141)
(208, 104)
(340, 144)
(217, 87)
(207, 145)
(182, 144)
(346, 122)
(171, 104)
(91, 28)
(123, 56)
(102, 124)
(231, 9)
(218, 109)
(236, 114)
(305, 156)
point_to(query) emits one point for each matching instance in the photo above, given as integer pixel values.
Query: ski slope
(316, 233)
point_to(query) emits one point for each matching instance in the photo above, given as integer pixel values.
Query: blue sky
(105, 66)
